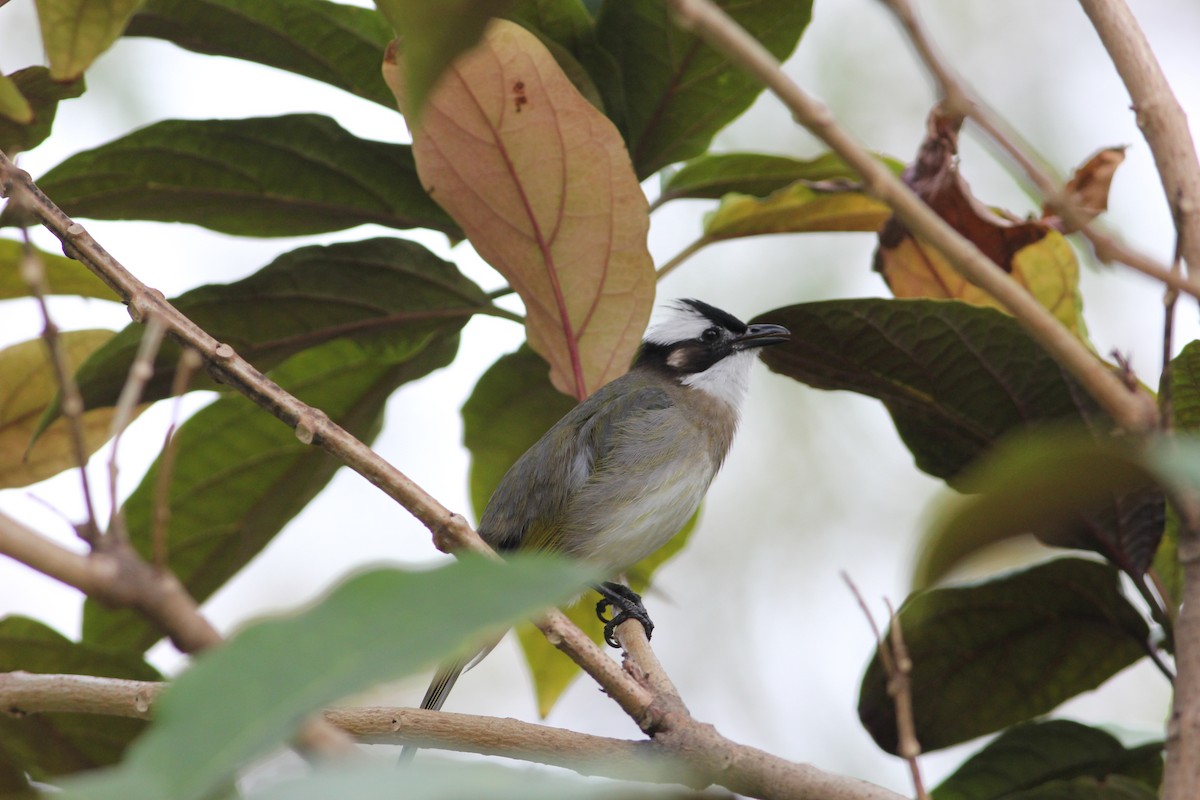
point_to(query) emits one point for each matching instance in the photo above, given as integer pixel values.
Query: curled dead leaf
(1087, 191)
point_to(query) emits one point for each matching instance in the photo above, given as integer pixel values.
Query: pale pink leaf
(541, 183)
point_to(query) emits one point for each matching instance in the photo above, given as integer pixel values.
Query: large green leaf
(63, 275)
(991, 655)
(241, 475)
(238, 702)
(270, 176)
(956, 379)
(330, 42)
(678, 91)
(44, 745)
(75, 32)
(390, 295)
(512, 405)
(29, 383)
(1034, 753)
(40, 95)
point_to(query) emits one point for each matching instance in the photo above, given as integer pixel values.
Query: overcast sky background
(754, 622)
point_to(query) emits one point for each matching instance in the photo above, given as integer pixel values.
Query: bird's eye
(710, 335)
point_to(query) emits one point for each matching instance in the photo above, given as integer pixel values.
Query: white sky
(753, 621)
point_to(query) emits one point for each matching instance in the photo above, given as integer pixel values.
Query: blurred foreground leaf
(238, 702)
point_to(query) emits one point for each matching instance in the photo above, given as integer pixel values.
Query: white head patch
(679, 323)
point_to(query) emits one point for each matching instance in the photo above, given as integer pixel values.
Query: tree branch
(28, 693)
(1133, 409)
(1159, 117)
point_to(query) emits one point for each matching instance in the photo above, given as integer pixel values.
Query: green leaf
(1034, 753)
(956, 379)
(333, 43)
(40, 94)
(239, 701)
(28, 387)
(75, 32)
(454, 781)
(512, 405)
(678, 91)
(271, 176)
(797, 208)
(1001, 652)
(1115, 787)
(712, 176)
(64, 275)
(241, 475)
(45, 745)
(390, 295)
(435, 32)
(1048, 481)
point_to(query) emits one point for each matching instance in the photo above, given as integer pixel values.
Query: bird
(622, 472)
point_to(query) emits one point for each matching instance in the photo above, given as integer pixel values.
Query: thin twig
(1166, 409)
(140, 372)
(189, 362)
(897, 666)
(683, 255)
(33, 271)
(900, 688)
(1133, 410)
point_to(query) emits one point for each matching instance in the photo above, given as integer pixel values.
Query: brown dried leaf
(1087, 191)
(542, 185)
(1031, 250)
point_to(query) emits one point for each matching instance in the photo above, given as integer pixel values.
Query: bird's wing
(579, 448)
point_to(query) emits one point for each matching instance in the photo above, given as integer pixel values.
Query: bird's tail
(443, 681)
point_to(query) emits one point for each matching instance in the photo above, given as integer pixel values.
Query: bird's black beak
(762, 336)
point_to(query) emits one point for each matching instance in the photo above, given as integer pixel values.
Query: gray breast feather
(532, 498)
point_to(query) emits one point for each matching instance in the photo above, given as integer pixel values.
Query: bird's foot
(627, 604)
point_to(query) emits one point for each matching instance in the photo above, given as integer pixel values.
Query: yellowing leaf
(74, 32)
(798, 208)
(541, 183)
(13, 104)
(1047, 268)
(27, 387)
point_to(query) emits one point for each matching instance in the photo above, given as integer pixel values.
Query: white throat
(726, 380)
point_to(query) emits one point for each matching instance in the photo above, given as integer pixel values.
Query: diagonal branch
(1158, 114)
